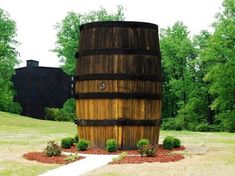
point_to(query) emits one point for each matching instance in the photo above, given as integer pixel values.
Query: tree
(177, 52)
(68, 34)
(197, 109)
(8, 60)
(219, 58)
(68, 37)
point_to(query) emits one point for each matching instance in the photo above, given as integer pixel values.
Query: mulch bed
(163, 155)
(41, 157)
(100, 151)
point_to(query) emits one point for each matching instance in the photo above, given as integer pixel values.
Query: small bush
(15, 107)
(58, 114)
(215, 127)
(147, 150)
(72, 140)
(168, 142)
(52, 149)
(173, 124)
(82, 145)
(176, 143)
(76, 138)
(142, 142)
(203, 127)
(120, 157)
(111, 145)
(51, 113)
(71, 158)
(66, 142)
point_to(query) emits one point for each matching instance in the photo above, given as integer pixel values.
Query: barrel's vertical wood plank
(141, 38)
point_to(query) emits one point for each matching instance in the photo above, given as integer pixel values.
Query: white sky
(36, 19)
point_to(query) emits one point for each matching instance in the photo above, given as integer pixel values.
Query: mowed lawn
(19, 135)
(209, 154)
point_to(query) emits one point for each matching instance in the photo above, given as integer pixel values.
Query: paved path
(82, 166)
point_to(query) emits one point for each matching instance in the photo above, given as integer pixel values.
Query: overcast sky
(35, 19)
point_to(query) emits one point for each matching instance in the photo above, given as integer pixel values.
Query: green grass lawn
(19, 135)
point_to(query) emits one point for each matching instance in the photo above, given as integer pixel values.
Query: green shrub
(111, 145)
(214, 128)
(147, 150)
(51, 113)
(203, 127)
(67, 142)
(176, 143)
(82, 145)
(58, 114)
(168, 142)
(76, 138)
(15, 108)
(52, 149)
(176, 123)
(71, 158)
(142, 142)
(120, 157)
(72, 140)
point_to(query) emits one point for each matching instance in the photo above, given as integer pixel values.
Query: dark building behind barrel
(39, 87)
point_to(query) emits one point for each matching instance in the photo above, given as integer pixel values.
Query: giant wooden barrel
(118, 83)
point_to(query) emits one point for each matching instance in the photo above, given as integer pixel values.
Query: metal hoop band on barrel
(118, 122)
(114, 76)
(117, 95)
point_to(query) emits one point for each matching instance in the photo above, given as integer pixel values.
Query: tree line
(198, 71)
(8, 60)
(199, 75)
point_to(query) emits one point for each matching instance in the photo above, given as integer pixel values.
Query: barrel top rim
(134, 24)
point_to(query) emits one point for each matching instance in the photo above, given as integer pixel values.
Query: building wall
(39, 87)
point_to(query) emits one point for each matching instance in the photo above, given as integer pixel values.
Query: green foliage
(142, 142)
(178, 54)
(227, 121)
(203, 127)
(168, 142)
(147, 150)
(67, 113)
(69, 109)
(82, 145)
(52, 149)
(8, 60)
(66, 142)
(111, 145)
(173, 124)
(120, 157)
(76, 138)
(68, 34)
(14, 107)
(199, 75)
(176, 143)
(219, 60)
(71, 158)
(51, 113)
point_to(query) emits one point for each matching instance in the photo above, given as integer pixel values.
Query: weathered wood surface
(112, 48)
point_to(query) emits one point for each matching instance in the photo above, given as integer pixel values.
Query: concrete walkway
(82, 166)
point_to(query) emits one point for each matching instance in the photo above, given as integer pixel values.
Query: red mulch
(158, 158)
(163, 155)
(41, 157)
(100, 151)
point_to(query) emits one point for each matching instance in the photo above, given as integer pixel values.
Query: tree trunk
(210, 118)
